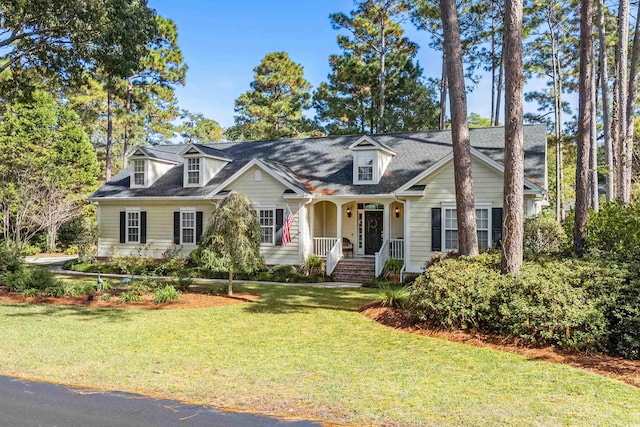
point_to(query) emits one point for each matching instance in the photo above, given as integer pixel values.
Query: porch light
(397, 212)
(348, 211)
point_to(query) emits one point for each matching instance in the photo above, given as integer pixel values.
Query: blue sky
(223, 40)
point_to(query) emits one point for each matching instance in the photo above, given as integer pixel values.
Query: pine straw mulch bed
(613, 367)
(187, 300)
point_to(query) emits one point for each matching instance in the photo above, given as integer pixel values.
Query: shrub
(392, 268)
(282, 272)
(616, 229)
(9, 262)
(182, 283)
(392, 295)
(129, 296)
(56, 292)
(29, 293)
(105, 297)
(166, 294)
(457, 292)
(543, 236)
(37, 278)
(314, 264)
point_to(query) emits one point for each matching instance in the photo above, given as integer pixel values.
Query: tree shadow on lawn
(290, 299)
(83, 313)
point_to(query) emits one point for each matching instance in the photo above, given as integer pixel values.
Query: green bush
(393, 295)
(615, 229)
(314, 264)
(56, 292)
(581, 304)
(29, 293)
(166, 294)
(392, 268)
(36, 278)
(282, 272)
(105, 297)
(543, 236)
(9, 263)
(129, 296)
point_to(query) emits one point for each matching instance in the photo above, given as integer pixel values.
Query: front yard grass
(304, 351)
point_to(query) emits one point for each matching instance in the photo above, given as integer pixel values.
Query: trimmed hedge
(580, 304)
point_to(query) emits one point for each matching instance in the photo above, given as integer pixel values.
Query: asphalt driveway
(31, 403)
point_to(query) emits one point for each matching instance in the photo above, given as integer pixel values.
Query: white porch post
(339, 225)
(386, 221)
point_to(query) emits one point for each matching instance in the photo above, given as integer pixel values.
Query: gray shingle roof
(325, 164)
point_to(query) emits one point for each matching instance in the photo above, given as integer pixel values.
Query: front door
(372, 231)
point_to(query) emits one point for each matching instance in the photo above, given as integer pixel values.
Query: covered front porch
(366, 228)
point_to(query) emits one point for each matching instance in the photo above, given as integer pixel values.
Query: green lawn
(304, 350)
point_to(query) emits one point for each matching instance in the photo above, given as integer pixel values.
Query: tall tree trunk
(493, 65)
(557, 109)
(631, 104)
(109, 134)
(443, 94)
(513, 207)
(585, 115)
(593, 151)
(382, 53)
(125, 147)
(496, 119)
(604, 87)
(230, 283)
(465, 207)
(622, 82)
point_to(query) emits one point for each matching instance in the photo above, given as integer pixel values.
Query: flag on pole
(286, 228)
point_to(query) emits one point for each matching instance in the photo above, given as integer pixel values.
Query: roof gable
(367, 142)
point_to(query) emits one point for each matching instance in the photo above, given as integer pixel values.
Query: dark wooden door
(372, 232)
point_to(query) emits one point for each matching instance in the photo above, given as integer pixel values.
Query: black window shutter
(198, 226)
(279, 220)
(143, 227)
(436, 229)
(496, 227)
(123, 227)
(176, 228)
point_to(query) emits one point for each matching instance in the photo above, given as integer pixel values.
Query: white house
(366, 197)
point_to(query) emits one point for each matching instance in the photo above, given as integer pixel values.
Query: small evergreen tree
(231, 242)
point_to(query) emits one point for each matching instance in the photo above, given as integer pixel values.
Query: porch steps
(354, 270)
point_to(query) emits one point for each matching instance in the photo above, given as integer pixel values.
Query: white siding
(487, 186)
(159, 226)
(268, 192)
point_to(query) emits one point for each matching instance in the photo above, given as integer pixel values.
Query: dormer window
(139, 173)
(365, 172)
(193, 171)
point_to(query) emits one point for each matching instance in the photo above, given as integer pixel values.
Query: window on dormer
(365, 171)
(193, 171)
(138, 172)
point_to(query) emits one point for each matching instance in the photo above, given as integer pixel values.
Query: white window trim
(145, 173)
(200, 171)
(452, 206)
(195, 226)
(363, 163)
(126, 225)
(272, 208)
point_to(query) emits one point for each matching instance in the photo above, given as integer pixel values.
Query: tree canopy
(274, 106)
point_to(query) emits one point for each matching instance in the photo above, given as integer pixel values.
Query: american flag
(286, 228)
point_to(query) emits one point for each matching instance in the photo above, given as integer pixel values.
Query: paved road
(29, 403)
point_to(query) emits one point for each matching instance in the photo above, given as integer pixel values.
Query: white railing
(397, 248)
(381, 257)
(322, 245)
(333, 256)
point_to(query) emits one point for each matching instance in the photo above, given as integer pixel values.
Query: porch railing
(323, 245)
(333, 256)
(397, 248)
(381, 257)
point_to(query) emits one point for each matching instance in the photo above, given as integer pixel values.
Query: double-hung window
(193, 171)
(268, 225)
(188, 227)
(138, 173)
(133, 226)
(365, 171)
(450, 228)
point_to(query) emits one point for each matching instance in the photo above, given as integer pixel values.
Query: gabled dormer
(201, 164)
(146, 167)
(370, 160)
